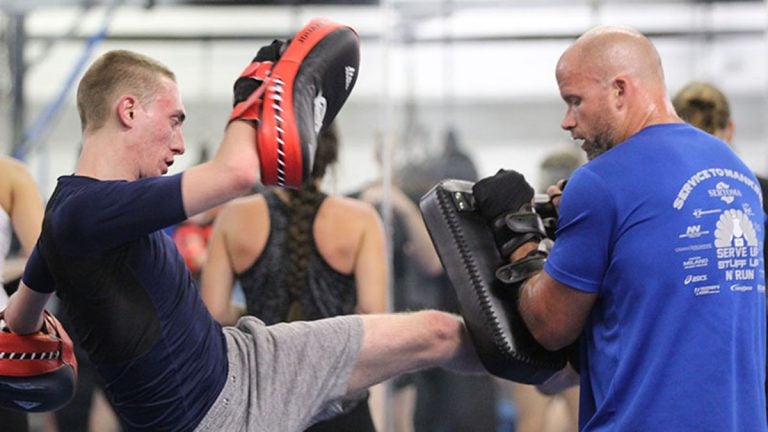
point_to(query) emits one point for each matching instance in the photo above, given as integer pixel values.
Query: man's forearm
(554, 313)
(529, 311)
(24, 314)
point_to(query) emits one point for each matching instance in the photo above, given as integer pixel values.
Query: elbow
(243, 177)
(551, 339)
(553, 321)
(246, 177)
(547, 332)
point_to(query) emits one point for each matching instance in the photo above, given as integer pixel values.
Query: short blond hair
(114, 73)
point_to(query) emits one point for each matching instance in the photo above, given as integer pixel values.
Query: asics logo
(695, 278)
(320, 107)
(349, 73)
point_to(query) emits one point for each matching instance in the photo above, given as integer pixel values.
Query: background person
(421, 283)
(300, 254)
(21, 214)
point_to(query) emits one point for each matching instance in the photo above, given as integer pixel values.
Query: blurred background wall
(484, 69)
(480, 69)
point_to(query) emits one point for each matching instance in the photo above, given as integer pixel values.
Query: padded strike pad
(38, 372)
(469, 255)
(305, 90)
(46, 392)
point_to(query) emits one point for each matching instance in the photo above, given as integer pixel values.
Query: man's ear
(619, 89)
(126, 110)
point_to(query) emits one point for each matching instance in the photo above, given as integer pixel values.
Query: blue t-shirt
(130, 298)
(667, 229)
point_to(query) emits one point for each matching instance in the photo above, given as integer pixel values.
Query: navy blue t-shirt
(131, 299)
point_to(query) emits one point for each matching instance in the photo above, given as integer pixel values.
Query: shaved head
(613, 83)
(607, 51)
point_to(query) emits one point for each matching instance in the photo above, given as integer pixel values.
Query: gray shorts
(284, 377)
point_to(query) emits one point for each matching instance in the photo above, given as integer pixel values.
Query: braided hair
(302, 205)
(703, 106)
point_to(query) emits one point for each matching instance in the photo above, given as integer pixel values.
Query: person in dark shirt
(166, 363)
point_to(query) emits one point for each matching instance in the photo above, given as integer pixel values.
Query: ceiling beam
(218, 37)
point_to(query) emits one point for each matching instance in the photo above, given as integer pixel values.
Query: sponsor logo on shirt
(706, 290)
(694, 231)
(693, 248)
(723, 191)
(695, 262)
(698, 213)
(740, 288)
(695, 278)
(734, 229)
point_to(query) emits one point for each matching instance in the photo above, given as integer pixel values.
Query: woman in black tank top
(289, 278)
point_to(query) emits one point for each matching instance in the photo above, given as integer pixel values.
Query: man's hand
(248, 94)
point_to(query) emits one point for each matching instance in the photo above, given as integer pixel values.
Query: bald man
(657, 264)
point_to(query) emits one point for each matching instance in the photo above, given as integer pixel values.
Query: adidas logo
(349, 73)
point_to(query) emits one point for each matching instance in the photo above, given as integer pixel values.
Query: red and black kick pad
(305, 90)
(38, 372)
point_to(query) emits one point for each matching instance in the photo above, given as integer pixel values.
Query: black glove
(251, 79)
(505, 191)
(505, 202)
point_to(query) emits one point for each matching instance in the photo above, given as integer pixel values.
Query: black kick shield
(469, 255)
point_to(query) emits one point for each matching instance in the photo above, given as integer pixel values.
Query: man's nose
(568, 122)
(179, 144)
